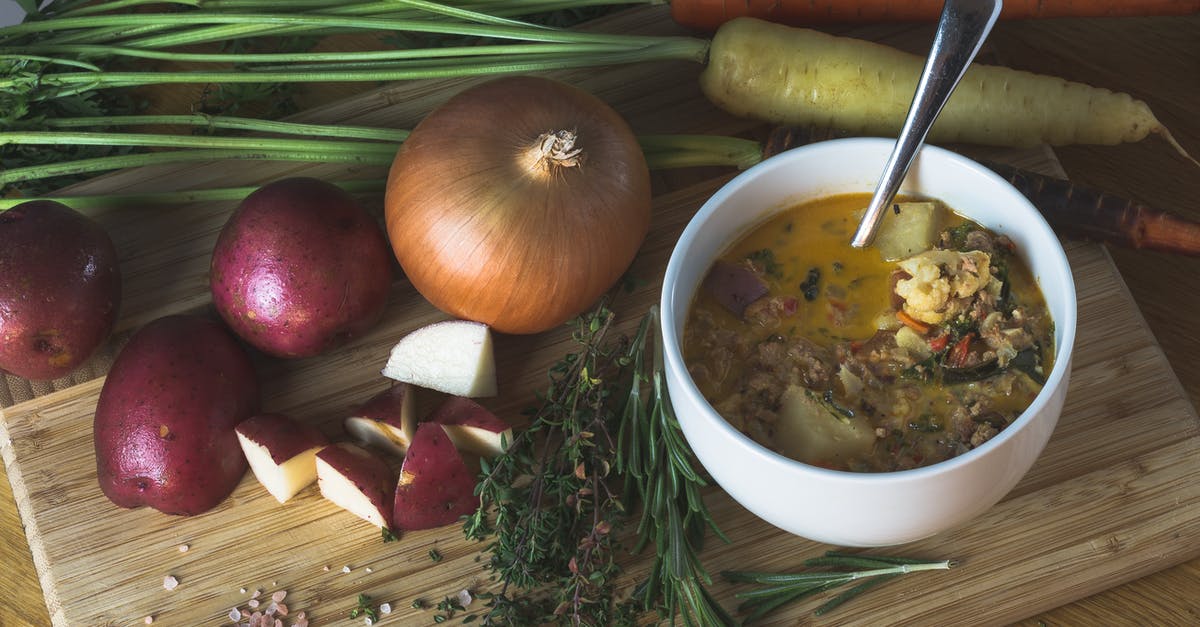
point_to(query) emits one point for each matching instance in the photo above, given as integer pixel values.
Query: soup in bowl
(876, 396)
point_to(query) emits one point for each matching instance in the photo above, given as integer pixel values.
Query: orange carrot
(912, 323)
(709, 14)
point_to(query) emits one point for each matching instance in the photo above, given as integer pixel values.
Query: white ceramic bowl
(864, 509)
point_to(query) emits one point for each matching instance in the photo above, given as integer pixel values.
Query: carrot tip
(1166, 134)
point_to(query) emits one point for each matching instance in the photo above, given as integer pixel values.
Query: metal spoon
(961, 30)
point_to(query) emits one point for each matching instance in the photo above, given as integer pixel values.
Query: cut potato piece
(436, 486)
(357, 481)
(912, 342)
(282, 452)
(454, 356)
(386, 421)
(734, 286)
(909, 232)
(812, 432)
(472, 427)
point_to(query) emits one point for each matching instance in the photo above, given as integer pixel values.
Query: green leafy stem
(833, 570)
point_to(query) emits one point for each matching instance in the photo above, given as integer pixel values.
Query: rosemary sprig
(833, 570)
(658, 467)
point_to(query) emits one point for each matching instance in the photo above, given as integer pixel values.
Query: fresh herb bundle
(553, 506)
(547, 505)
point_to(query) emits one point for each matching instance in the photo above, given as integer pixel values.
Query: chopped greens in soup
(903, 354)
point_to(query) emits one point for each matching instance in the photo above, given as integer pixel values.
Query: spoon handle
(961, 30)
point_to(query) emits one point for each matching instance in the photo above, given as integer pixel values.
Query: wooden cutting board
(1114, 497)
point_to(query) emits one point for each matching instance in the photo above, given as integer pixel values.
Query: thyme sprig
(365, 607)
(548, 506)
(833, 570)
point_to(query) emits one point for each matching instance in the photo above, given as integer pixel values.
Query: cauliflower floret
(942, 283)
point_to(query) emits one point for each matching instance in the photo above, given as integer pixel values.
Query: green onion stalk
(66, 54)
(277, 141)
(78, 59)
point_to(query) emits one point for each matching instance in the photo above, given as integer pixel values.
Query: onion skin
(486, 233)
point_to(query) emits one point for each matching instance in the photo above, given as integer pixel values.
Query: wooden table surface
(1155, 59)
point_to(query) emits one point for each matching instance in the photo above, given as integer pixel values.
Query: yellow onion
(518, 203)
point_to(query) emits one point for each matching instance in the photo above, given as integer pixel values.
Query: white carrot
(797, 76)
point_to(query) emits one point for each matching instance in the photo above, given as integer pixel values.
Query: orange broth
(892, 425)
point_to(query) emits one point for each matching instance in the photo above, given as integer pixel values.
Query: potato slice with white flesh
(812, 432)
(282, 452)
(357, 481)
(472, 427)
(386, 421)
(911, 230)
(454, 356)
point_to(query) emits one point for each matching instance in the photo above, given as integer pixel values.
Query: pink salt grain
(279, 595)
(253, 603)
(235, 614)
(170, 583)
(282, 610)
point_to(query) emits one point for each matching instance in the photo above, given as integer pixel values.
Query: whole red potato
(165, 421)
(300, 268)
(60, 289)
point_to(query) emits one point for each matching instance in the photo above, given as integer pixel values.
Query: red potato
(300, 268)
(60, 289)
(357, 481)
(164, 426)
(387, 420)
(471, 427)
(282, 452)
(436, 486)
(734, 286)
(453, 356)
